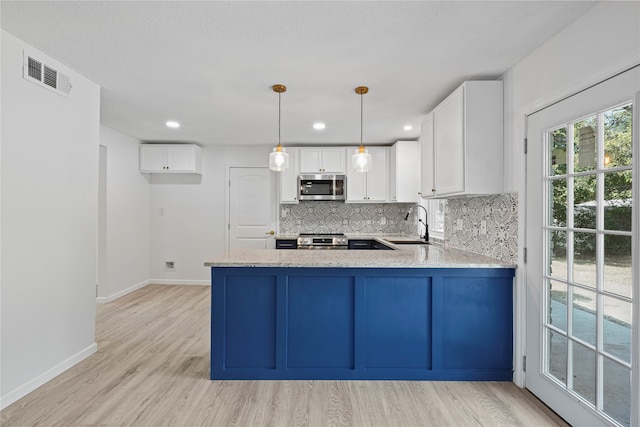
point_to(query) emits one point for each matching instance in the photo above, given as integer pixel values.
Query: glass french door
(582, 242)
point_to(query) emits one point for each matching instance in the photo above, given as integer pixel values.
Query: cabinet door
(449, 144)
(427, 161)
(289, 178)
(310, 160)
(180, 158)
(356, 186)
(152, 158)
(393, 171)
(333, 160)
(377, 176)
(404, 172)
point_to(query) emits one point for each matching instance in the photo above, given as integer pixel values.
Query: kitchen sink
(408, 242)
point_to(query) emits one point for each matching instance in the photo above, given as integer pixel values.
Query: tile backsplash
(489, 225)
(340, 217)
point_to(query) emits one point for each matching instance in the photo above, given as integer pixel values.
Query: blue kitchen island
(416, 313)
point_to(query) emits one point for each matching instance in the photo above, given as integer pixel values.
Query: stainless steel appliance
(321, 187)
(322, 241)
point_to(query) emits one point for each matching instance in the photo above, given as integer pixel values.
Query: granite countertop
(404, 256)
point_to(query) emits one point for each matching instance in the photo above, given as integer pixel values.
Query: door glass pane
(584, 372)
(584, 315)
(558, 255)
(558, 202)
(617, 392)
(617, 137)
(584, 202)
(584, 144)
(617, 328)
(584, 252)
(618, 200)
(558, 152)
(557, 356)
(558, 305)
(617, 265)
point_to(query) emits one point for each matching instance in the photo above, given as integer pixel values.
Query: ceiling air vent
(46, 76)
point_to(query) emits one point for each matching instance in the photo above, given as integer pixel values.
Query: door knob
(271, 232)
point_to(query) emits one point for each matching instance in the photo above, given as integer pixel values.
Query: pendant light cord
(279, 116)
(361, 118)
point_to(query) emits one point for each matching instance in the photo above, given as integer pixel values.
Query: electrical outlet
(169, 265)
(483, 227)
(383, 221)
(459, 224)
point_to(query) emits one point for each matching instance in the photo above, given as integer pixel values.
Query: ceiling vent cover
(46, 76)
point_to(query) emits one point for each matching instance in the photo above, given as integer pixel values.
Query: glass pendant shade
(278, 159)
(361, 160)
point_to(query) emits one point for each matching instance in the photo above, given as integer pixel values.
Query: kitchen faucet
(426, 215)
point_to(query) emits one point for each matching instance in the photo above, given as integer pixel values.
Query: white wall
(49, 210)
(188, 214)
(127, 227)
(602, 42)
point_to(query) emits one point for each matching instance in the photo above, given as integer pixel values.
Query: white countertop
(405, 256)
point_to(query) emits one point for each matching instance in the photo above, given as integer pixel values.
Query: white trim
(46, 376)
(108, 299)
(179, 282)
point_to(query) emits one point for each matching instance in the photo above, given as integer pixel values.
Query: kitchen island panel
(362, 323)
(398, 322)
(320, 324)
(477, 317)
(250, 327)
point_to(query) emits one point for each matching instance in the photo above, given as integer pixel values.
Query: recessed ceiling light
(173, 124)
(408, 127)
(319, 126)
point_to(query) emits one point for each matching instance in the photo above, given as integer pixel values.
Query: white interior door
(582, 245)
(252, 208)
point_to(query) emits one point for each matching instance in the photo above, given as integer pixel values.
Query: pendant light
(279, 159)
(361, 160)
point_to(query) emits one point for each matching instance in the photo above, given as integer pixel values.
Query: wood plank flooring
(152, 369)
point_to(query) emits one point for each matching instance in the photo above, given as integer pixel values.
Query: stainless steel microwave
(321, 187)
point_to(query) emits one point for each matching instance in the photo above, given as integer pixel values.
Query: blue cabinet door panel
(250, 327)
(477, 319)
(398, 322)
(320, 322)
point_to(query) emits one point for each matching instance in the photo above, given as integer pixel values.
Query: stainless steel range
(322, 241)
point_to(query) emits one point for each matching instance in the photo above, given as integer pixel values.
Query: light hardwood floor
(152, 369)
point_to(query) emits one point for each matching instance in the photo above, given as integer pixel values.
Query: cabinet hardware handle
(271, 232)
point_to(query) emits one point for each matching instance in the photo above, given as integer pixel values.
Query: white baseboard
(105, 300)
(46, 376)
(179, 282)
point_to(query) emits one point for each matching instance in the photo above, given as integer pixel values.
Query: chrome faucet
(426, 215)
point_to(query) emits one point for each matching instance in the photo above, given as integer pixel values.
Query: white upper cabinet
(369, 186)
(404, 168)
(321, 160)
(289, 178)
(426, 157)
(170, 158)
(462, 147)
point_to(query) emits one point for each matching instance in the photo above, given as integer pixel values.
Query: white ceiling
(210, 64)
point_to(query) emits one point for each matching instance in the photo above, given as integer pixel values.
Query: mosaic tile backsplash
(497, 237)
(340, 217)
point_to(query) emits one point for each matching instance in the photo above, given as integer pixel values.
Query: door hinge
(228, 226)
(524, 255)
(524, 363)
(229, 183)
(526, 143)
